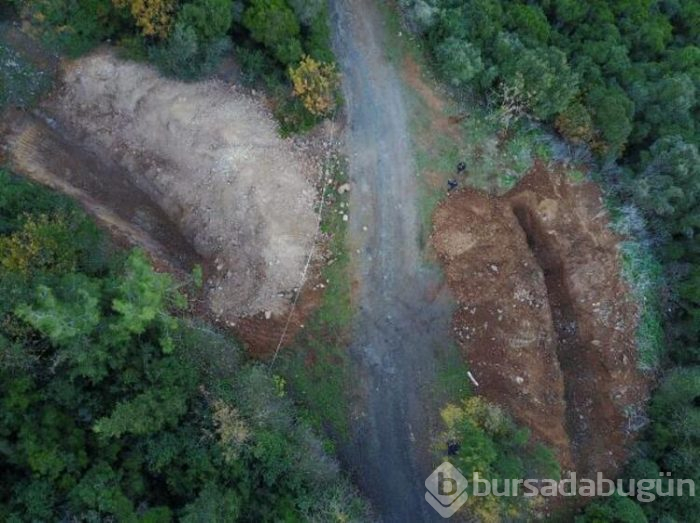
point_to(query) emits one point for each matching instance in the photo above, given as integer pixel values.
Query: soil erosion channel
(402, 323)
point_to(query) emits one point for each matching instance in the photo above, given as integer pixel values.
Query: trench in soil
(569, 346)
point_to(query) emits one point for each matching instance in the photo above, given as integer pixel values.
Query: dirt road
(402, 323)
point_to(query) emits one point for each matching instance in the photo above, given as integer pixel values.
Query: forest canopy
(116, 405)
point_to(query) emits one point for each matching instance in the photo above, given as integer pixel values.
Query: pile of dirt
(545, 319)
(209, 157)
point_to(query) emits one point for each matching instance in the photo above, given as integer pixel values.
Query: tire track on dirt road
(401, 325)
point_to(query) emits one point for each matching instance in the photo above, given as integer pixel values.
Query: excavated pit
(544, 318)
(569, 346)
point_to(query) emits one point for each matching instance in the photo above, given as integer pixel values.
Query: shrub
(152, 17)
(274, 24)
(459, 61)
(187, 57)
(544, 73)
(575, 123)
(210, 19)
(74, 27)
(612, 113)
(307, 11)
(315, 84)
(491, 444)
(616, 509)
(256, 66)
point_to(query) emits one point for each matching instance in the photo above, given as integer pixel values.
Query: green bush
(615, 509)
(75, 26)
(611, 111)
(210, 19)
(491, 445)
(273, 24)
(460, 62)
(184, 55)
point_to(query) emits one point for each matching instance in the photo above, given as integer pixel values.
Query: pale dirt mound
(545, 320)
(211, 159)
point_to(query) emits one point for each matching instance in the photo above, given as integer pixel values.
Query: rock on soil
(544, 317)
(211, 158)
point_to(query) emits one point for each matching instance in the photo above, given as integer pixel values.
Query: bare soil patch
(545, 319)
(198, 169)
(440, 123)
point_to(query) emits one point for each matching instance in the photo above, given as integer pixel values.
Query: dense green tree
(274, 24)
(184, 55)
(541, 72)
(460, 61)
(668, 186)
(75, 27)
(615, 509)
(575, 123)
(210, 19)
(612, 112)
(528, 22)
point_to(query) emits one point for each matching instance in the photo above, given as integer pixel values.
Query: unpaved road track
(402, 322)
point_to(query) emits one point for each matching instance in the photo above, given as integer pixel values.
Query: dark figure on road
(451, 185)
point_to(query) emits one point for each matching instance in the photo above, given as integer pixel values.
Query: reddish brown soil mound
(261, 335)
(545, 319)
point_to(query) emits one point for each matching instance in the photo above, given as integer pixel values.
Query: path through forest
(402, 322)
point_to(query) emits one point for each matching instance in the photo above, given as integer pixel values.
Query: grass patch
(317, 366)
(452, 380)
(576, 176)
(399, 42)
(644, 275)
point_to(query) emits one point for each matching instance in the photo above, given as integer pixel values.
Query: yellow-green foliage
(231, 429)
(315, 84)
(39, 244)
(153, 17)
(575, 124)
(495, 448)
